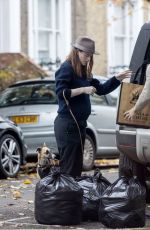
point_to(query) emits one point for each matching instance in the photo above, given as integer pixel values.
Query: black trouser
(69, 144)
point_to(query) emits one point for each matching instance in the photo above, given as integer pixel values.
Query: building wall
(10, 26)
(146, 9)
(96, 27)
(89, 18)
(24, 26)
(79, 19)
(4, 26)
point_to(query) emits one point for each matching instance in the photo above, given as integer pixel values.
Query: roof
(47, 79)
(17, 66)
(33, 81)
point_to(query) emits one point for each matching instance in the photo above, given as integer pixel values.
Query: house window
(48, 25)
(44, 30)
(122, 20)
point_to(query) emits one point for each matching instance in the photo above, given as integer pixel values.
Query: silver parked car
(32, 104)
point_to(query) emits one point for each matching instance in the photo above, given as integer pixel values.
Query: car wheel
(10, 156)
(89, 154)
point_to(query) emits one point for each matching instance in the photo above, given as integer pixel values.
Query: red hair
(77, 66)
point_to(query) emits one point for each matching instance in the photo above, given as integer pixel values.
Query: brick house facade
(89, 18)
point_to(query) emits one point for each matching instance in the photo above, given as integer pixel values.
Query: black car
(12, 149)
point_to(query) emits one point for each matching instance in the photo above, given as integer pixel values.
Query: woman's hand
(129, 115)
(89, 90)
(123, 75)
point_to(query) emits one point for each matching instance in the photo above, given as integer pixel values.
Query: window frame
(64, 32)
(137, 14)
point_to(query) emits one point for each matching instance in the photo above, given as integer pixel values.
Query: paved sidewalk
(17, 204)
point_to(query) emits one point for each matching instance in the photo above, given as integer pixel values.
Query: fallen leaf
(24, 186)
(15, 187)
(3, 196)
(27, 181)
(21, 214)
(33, 175)
(23, 174)
(30, 201)
(16, 194)
(17, 225)
(3, 185)
(15, 181)
(112, 170)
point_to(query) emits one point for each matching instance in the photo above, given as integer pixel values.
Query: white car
(32, 104)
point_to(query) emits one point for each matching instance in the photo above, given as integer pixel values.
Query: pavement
(17, 202)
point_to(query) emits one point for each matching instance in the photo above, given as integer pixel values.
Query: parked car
(32, 104)
(12, 149)
(134, 142)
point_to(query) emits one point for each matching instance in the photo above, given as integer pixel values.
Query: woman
(143, 99)
(74, 82)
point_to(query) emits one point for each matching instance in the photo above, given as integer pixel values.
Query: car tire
(10, 156)
(89, 154)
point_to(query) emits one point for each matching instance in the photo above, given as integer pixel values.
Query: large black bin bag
(93, 187)
(58, 200)
(122, 205)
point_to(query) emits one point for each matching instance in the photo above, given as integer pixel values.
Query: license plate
(28, 119)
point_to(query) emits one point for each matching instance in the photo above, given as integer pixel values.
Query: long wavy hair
(79, 69)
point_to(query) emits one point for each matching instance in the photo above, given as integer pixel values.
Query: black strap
(142, 68)
(68, 105)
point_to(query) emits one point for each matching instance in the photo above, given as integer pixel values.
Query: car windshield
(40, 93)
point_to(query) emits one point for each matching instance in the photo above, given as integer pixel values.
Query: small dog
(46, 160)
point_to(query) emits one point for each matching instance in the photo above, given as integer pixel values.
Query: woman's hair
(77, 66)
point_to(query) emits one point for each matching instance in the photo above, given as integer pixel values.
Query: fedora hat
(85, 44)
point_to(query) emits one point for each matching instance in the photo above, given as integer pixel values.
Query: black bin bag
(58, 200)
(93, 187)
(123, 204)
